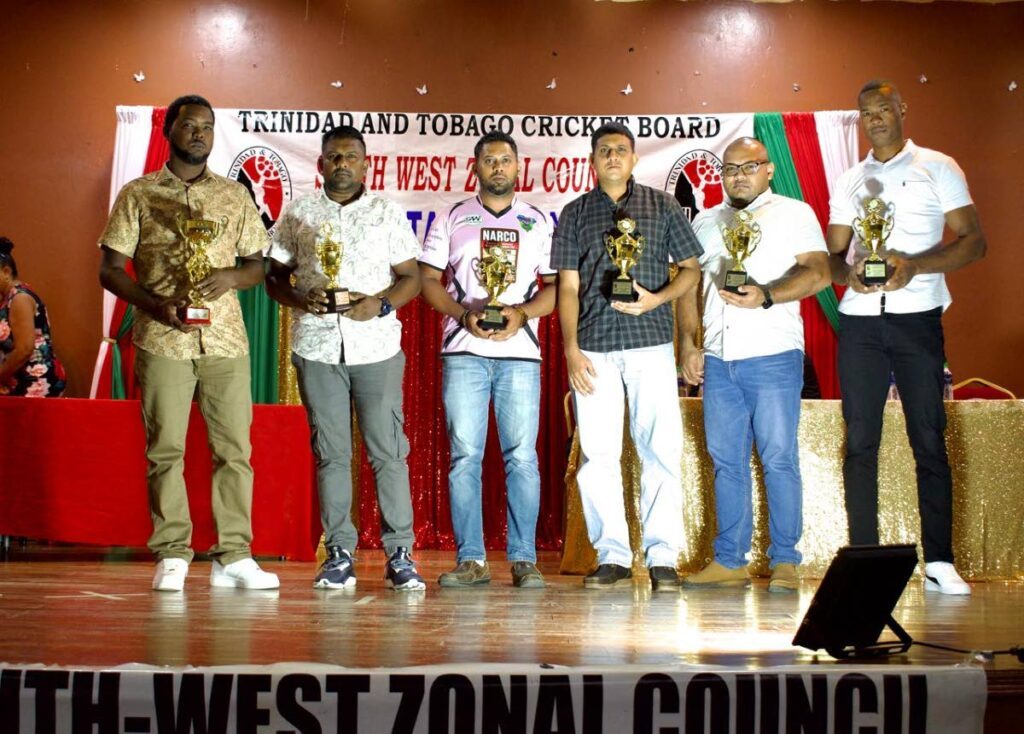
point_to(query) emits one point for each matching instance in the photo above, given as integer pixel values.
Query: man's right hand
(165, 310)
(316, 301)
(855, 279)
(470, 324)
(693, 366)
(580, 370)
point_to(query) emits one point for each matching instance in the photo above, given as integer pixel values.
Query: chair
(976, 388)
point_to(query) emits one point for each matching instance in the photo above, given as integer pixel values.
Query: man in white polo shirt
(752, 360)
(492, 237)
(897, 326)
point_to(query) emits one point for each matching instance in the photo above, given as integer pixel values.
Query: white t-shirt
(375, 234)
(454, 245)
(923, 185)
(788, 228)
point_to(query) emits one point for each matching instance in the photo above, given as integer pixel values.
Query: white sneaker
(942, 577)
(243, 574)
(170, 574)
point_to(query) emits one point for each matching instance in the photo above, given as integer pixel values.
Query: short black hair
(494, 136)
(612, 128)
(6, 258)
(876, 85)
(342, 132)
(175, 107)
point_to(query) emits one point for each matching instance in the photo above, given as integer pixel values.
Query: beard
(190, 158)
(499, 189)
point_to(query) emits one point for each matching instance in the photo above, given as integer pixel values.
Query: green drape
(770, 130)
(260, 313)
(117, 391)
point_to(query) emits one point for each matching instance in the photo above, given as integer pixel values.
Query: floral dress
(42, 376)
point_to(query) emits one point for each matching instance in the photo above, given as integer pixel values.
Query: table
(984, 440)
(75, 471)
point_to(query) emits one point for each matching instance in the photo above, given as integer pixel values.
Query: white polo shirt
(923, 185)
(788, 228)
(453, 245)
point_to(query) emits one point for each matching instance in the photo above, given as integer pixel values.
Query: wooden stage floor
(80, 607)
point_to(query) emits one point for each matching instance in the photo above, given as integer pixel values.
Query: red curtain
(820, 340)
(428, 439)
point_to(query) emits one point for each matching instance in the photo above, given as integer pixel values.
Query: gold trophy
(198, 234)
(329, 252)
(625, 251)
(496, 270)
(740, 241)
(874, 229)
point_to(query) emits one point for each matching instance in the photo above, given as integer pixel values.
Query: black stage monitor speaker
(855, 600)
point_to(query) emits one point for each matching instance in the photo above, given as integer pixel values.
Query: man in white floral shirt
(355, 356)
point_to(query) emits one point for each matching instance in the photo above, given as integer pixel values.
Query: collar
(624, 200)
(358, 195)
(166, 175)
(762, 199)
(503, 212)
(909, 150)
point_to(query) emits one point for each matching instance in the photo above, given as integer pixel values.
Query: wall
(65, 65)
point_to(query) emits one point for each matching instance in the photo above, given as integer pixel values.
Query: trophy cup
(874, 229)
(740, 241)
(496, 270)
(198, 234)
(329, 252)
(624, 251)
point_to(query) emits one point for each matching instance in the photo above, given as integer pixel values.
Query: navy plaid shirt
(578, 244)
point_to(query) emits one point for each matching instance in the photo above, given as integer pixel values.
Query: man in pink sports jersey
(483, 364)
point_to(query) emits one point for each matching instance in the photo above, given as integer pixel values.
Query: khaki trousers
(168, 386)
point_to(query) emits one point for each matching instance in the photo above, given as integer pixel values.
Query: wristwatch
(385, 307)
(767, 302)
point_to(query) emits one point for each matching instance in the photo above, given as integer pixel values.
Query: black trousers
(911, 347)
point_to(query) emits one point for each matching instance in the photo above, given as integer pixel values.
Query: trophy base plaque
(734, 279)
(875, 272)
(492, 319)
(338, 300)
(622, 291)
(194, 315)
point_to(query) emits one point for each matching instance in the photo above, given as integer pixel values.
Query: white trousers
(647, 377)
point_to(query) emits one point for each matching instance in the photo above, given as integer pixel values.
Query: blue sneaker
(337, 572)
(400, 572)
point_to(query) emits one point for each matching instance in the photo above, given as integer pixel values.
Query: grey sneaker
(337, 572)
(400, 572)
(467, 573)
(664, 578)
(525, 575)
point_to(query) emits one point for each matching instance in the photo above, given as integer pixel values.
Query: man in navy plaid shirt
(617, 349)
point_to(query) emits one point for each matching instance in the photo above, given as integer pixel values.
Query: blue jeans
(468, 385)
(747, 400)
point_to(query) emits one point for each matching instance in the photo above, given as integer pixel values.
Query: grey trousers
(328, 390)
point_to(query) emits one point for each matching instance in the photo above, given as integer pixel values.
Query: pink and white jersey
(453, 246)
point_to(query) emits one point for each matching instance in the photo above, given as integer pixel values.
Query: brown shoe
(784, 578)
(467, 573)
(715, 575)
(526, 575)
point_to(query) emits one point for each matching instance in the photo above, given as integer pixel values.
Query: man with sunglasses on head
(751, 360)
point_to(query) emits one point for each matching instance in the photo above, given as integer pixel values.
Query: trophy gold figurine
(496, 270)
(873, 229)
(624, 250)
(740, 241)
(198, 234)
(329, 252)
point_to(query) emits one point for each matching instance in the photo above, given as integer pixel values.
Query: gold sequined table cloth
(985, 441)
